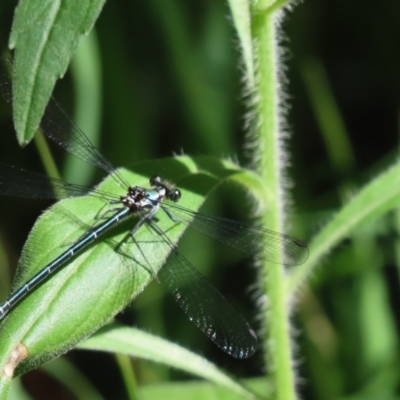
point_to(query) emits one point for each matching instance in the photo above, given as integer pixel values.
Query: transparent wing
(20, 182)
(59, 127)
(257, 242)
(204, 305)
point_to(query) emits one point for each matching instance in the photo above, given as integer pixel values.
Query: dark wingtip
(244, 352)
(299, 243)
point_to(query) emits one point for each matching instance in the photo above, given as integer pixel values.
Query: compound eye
(175, 195)
(155, 180)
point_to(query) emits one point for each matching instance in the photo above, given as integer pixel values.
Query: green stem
(128, 375)
(269, 156)
(46, 156)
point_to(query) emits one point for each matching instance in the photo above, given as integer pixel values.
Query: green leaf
(140, 344)
(200, 390)
(98, 282)
(374, 200)
(45, 34)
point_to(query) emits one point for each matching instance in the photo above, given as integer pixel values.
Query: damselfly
(202, 303)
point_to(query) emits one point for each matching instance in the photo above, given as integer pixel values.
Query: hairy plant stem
(268, 157)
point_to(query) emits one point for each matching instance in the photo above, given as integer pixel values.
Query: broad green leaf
(97, 283)
(45, 35)
(137, 343)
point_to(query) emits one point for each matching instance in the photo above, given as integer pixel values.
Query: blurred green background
(167, 80)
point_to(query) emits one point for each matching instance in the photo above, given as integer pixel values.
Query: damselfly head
(171, 193)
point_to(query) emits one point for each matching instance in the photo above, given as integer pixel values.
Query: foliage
(160, 76)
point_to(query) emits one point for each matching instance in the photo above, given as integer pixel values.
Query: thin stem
(269, 156)
(128, 375)
(46, 156)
